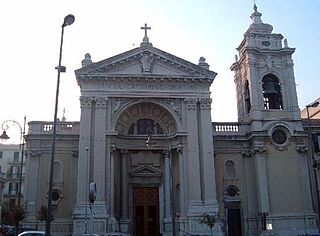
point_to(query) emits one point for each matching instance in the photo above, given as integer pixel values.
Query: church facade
(146, 139)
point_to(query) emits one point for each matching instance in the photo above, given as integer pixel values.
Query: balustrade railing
(42, 127)
(231, 128)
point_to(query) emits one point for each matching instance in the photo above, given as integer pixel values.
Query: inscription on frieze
(146, 85)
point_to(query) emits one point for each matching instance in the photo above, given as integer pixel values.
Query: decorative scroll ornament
(174, 104)
(146, 60)
(259, 149)
(117, 104)
(101, 102)
(205, 103)
(246, 153)
(34, 153)
(302, 148)
(191, 103)
(85, 102)
(269, 62)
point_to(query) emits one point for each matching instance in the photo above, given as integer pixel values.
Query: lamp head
(68, 20)
(4, 136)
(314, 104)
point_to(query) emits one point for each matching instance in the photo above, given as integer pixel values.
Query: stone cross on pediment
(145, 38)
(146, 28)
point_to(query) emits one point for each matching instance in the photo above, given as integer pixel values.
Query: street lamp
(312, 159)
(68, 20)
(87, 187)
(5, 126)
(150, 142)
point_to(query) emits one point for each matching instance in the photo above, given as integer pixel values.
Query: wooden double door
(146, 211)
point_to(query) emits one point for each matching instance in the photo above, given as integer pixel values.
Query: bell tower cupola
(264, 75)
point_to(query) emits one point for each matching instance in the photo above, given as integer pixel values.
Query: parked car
(32, 233)
(8, 230)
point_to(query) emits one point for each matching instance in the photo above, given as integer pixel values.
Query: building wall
(7, 162)
(39, 140)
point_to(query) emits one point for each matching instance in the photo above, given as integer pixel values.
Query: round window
(266, 43)
(279, 136)
(232, 191)
(55, 195)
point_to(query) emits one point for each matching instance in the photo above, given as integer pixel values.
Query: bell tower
(274, 154)
(264, 75)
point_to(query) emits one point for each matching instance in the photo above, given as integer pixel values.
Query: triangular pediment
(146, 170)
(144, 61)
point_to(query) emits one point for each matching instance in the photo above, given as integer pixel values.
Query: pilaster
(194, 201)
(207, 155)
(84, 145)
(31, 194)
(259, 153)
(99, 155)
(124, 221)
(81, 212)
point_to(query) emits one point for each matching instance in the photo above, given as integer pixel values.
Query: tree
(19, 213)
(208, 220)
(13, 214)
(43, 214)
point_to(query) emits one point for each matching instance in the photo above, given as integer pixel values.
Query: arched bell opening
(246, 95)
(272, 96)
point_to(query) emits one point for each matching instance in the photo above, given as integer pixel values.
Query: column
(167, 187)
(124, 227)
(182, 182)
(259, 152)
(111, 151)
(112, 181)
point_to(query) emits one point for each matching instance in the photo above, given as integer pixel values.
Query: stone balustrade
(63, 127)
(228, 128)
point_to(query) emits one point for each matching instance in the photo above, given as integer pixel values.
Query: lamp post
(312, 159)
(68, 20)
(87, 187)
(5, 126)
(149, 142)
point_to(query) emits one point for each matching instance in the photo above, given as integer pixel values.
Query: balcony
(11, 194)
(13, 176)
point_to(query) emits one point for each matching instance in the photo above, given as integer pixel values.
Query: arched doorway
(147, 133)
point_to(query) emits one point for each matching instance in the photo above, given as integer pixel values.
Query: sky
(189, 29)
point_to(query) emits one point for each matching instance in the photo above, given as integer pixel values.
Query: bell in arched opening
(271, 92)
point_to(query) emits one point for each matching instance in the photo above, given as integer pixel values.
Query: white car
(32, 233)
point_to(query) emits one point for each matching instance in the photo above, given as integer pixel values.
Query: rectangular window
(16, 156)
(316, 141)
(10, 188)
(1, 154)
